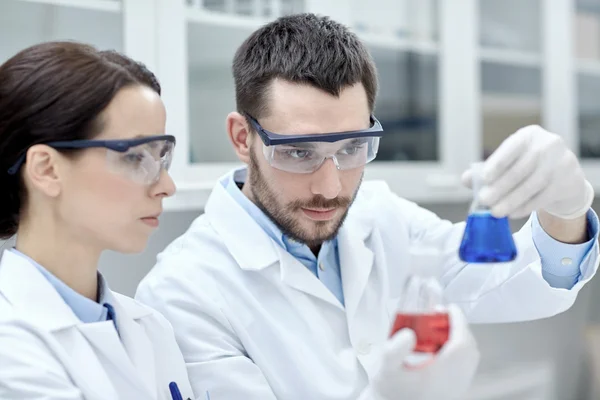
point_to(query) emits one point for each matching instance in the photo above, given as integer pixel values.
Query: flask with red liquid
(422, 307)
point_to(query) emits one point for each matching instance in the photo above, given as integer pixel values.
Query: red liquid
(432, 330)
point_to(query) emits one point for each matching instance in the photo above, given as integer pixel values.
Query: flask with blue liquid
(486, 239)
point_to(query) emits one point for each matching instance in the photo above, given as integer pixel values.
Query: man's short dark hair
(305, 49)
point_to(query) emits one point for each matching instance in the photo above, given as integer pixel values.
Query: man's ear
(41, 169)
(239, 135)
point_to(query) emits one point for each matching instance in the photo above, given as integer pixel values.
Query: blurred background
(457, 77)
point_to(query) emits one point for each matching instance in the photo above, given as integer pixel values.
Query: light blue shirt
(85, 310)
(325, 267)
(561, 262)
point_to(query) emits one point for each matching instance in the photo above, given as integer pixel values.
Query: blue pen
(175, 393)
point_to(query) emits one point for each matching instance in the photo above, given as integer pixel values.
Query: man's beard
(283, 215)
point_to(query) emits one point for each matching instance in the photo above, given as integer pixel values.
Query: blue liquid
(487, 240)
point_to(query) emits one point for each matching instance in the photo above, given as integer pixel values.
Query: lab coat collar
(32, 296)
(253, 249)
(36, 301)
(246, 241)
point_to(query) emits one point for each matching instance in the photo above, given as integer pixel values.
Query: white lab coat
(46, 352)
(253, 323)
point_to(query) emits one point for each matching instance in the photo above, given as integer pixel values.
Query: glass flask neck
(421, 295)
(477, 183)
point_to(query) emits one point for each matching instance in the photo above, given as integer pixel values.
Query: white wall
(28, 23)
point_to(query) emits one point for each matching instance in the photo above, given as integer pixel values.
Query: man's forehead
(306, 121)
(303, 102)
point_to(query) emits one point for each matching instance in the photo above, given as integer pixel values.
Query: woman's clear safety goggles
(305, 154)
(141, 159)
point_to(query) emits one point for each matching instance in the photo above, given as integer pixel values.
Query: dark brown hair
(301, 48)
(55, 91)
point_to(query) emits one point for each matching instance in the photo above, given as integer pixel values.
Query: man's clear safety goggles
(142, 159)
(305, 154)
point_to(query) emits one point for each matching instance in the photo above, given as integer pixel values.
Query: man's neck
(315, 250)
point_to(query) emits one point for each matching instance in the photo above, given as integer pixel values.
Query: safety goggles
(305, 154)
(141, 160)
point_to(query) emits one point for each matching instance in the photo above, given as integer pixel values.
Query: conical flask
(422, 307)
(486, 239)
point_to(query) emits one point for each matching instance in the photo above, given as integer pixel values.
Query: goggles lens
(143, 163)
(307, 157)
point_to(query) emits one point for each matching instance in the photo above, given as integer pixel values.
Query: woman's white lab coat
(253, 323)
(46, 352)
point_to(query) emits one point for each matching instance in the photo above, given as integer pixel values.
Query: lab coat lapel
(137, 344)
(356, 262)
(297, 276)
(85, 369)
(137, 361)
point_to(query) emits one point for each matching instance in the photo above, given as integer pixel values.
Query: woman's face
(98, 201)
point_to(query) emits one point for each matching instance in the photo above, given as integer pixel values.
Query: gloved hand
(532, 170)
(447, 377)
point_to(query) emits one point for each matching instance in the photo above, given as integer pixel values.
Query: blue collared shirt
(561, 262)
(86, 310)
(326, 267)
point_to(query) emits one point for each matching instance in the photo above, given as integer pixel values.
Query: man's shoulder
(142, 313)
(192, 255)
(134, 309)
(375, 197)
(372, 188)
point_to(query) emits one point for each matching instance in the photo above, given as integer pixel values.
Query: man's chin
(320, 231)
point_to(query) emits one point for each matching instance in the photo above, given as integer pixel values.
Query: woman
(83, 169)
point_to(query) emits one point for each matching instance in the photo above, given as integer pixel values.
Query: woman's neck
(63, 255)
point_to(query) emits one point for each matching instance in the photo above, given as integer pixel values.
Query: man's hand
(534, 170)
(447, 377)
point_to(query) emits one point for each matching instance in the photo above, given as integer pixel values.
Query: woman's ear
(41, 169)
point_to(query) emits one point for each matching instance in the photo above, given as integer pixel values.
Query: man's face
(311, 207)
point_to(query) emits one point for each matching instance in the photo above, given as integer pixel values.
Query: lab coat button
(363, 348)
(321, 267)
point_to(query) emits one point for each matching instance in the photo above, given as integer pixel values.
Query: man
(287, 286)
